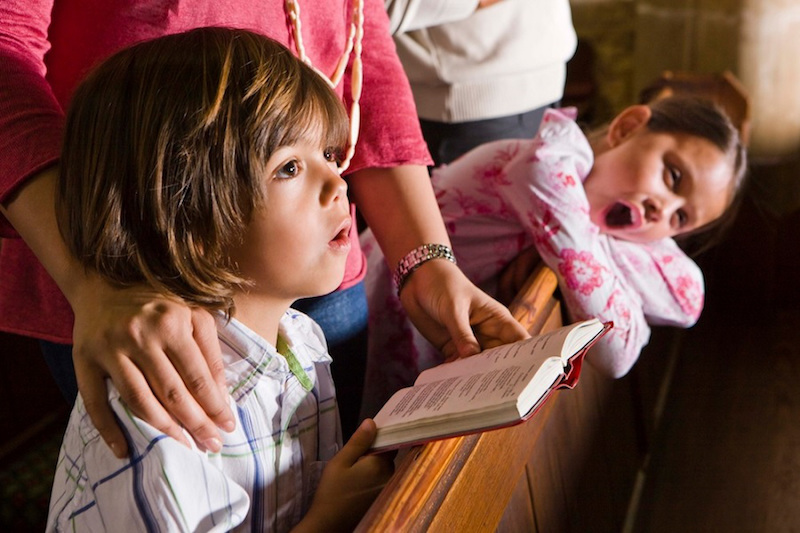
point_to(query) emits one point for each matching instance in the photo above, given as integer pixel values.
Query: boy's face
(648, 186)
(297, 242)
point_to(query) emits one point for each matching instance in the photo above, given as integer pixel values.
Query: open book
(498, 387)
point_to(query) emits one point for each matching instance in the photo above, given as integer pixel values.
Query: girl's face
(297, 242)
(647, 186)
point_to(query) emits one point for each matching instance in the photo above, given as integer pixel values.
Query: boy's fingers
(359, 443)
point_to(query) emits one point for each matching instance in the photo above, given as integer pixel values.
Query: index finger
(193, 358)
(205, 335)
(95, 400)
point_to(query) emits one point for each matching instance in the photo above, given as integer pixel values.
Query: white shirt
(265, 475)
(468, 64)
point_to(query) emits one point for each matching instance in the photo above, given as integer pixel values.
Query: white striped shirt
(262, 480)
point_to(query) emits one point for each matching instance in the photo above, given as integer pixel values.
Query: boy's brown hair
(164, 155)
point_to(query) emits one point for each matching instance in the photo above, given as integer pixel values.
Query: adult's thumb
(462, 338)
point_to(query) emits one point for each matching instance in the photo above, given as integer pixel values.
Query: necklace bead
(352, 47)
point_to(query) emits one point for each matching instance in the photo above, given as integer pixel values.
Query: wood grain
(465, 483)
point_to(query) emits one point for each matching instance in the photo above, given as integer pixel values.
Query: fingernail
(213, 445)
(228, 426)
(116, 450)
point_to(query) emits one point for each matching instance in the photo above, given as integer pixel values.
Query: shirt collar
(248, 356)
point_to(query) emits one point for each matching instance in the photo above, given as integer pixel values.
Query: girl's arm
(152, 339)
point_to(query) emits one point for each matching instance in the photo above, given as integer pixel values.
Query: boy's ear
(628, 122)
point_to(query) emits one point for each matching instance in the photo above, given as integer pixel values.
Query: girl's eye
(675, 177)
(288, 170)
(683, 218)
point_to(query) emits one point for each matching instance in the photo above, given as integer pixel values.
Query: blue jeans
(449, 141)
(59, 359)
(342, 315)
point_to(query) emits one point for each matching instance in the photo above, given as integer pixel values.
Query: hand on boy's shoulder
(163, 356)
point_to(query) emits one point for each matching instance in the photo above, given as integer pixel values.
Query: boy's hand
(163, 357)
(350, 483)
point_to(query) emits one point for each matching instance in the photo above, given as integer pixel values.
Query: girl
(602, 214)
(188, 162)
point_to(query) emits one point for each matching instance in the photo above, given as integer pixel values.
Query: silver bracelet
(416, 257)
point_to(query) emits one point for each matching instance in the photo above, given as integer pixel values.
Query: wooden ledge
(465, 483)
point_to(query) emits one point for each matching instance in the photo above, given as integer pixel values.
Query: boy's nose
(335, 187)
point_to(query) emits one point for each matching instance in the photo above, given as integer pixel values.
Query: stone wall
(608, 27)
(634, 41)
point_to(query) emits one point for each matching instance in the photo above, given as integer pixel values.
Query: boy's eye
(288, 170)
(333, 155)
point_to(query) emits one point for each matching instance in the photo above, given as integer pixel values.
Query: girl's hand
(163, 357)
(515, 274)
(455, 315)
(350, 483)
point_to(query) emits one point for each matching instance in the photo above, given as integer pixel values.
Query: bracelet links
(416, 258)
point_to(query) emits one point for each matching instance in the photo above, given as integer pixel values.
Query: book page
(580, 336)
(535, 348)
(497, 387)
(470, 393)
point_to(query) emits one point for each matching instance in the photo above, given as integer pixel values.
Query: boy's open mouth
(619, 216)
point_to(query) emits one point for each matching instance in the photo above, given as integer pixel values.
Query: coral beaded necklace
(353, 46)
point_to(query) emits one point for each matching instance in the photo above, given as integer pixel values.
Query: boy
(205, 164)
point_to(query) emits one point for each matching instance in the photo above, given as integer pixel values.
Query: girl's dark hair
(702, 118)
(165, 150)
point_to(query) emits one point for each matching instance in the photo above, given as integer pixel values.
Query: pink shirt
(505, 196)
(46, 47)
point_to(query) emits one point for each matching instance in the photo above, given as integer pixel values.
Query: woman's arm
(453, 314)
(164, 356)
(399, 205)
(150, 339)
(410, 15)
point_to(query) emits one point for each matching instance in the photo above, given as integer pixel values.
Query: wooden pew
(466, 483)
(579, 463)
(575, 466)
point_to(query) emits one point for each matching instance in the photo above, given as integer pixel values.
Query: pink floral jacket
(505, 196)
